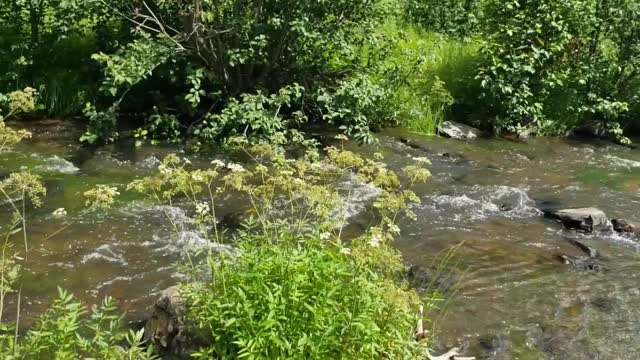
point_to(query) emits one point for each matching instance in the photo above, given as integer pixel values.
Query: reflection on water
(514, 299)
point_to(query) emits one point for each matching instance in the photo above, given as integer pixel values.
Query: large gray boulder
(585, 219)
(458, 131)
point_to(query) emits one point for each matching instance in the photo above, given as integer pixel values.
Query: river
(509, 297)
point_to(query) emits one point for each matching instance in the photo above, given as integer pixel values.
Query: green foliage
(429, 77)
(132, 63)
(13, 104)
(554, 65)
(459, 18)
(102, 124)
(357, 105)
(66, 332)
(250, 44)
(160, 127)
(232, 62)
(304, 298)
(293, 287)
(258, 117)
(526, 40)
(426, 118)
(48, 44)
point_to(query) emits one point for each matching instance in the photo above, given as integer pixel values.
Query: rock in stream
(584, 219)
(458, 131)
(165, 328)
(624, 226)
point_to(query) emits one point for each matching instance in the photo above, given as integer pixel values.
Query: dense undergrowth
(209, 70)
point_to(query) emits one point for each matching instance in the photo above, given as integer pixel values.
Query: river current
(508, 295)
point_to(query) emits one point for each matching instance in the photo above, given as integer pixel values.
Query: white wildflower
(375, 241)
(218, 163)
(325, 236)
(202, 209)
(164, 170)
(236, 168)
(61, 212)
(345, 251)
(197, 177)
(341, 137)
(394, 229)
(286, 173)
(187, 161)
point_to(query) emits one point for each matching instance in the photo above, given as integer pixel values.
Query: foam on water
(357, 196)
(57, 164)
(482, 202)
(106, 252)
(150, 162)
(621, 162)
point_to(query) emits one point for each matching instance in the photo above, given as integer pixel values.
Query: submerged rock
(458, 131)
(625, 226)
(582, 263)
(588, 250)
(591, 261)
(423, 279)
(414, 145)
(585, 219)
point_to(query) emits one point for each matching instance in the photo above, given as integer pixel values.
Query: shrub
(65, 332)
(526, 41)
(48, 44)
(227, 57)
(459, 18)
(554, 65)
(257, 117)
(357, 105)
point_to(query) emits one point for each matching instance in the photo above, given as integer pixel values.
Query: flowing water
(510, 297)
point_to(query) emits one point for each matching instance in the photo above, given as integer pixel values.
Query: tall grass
(63, 93)
(434, 70)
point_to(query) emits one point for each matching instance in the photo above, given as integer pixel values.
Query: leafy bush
(250, 44)
(459, 18)
(554, 65)
(48, 44)
(256, 117)
(102, 124)
(160, 127)
(225, 58)
(303, 298)
(357, 105)
(293, 287)
(65, 332)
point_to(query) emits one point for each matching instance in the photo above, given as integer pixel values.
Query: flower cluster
(101, 197)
